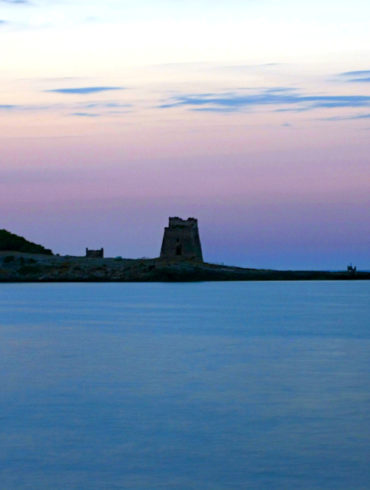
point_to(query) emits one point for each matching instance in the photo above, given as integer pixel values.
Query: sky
(252, 116)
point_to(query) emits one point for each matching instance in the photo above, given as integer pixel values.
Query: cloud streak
(359, 76)
(85, 114)
(289, 98)
(16, 2)
(91, 109)
(83, 90)
(347, 118)
(8, 107)
(105, 109)
(105, 105)
(360, 80)
(358, 73)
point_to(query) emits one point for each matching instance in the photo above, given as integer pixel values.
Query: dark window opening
(179, 249)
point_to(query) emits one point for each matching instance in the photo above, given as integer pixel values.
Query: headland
(180, 260)
(27, 267)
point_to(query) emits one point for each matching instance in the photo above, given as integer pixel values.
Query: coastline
(26, 267)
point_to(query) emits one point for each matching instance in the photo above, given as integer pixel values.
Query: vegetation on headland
(24, 261)
(10, 241)
(19, 267)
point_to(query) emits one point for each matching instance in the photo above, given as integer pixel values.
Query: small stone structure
(95, 254)
(181, 240)
(352, 268)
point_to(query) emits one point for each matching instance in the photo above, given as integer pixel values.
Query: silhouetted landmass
(20, 267)
(11, 242)
(24, 261)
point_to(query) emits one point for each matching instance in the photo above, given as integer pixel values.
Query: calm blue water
(185, 386)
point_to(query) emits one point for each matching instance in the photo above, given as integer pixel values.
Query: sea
(210, 385)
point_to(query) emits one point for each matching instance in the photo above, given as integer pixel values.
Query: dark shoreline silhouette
(24, 261)
(21, 267)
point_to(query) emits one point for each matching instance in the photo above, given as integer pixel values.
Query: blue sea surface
(228, 385)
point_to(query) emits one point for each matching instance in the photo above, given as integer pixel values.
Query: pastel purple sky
(252, 116)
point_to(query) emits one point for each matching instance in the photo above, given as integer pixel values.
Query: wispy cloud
(84, 114)
(359, 76)
(29, 107)
(358, 73)
(360, 80)
(105, 105)
(15, 2)
(91, 109)
(214, 109)
(105, 109)
(279, 96)
(361, 116)
(347, 118)
(83, 90)
(8, 107)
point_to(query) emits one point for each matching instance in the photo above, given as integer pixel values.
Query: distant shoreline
(18, 267)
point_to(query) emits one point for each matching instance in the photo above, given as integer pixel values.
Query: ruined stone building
(181, 240)
(95, 253)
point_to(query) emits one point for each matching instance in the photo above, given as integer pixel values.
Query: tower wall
(181, 240)
(95, 253)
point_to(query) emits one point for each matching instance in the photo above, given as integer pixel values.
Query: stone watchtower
(181, 240)
(94, 254)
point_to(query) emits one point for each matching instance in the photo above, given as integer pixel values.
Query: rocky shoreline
(26, 267)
